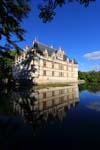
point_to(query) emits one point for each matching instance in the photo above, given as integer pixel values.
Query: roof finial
(51, 46)
(60, 48)
(35, 40)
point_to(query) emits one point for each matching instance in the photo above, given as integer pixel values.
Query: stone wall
(56, 71)
(43, 69)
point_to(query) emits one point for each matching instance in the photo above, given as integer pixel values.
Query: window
(52, 73)
(67, 97)
(44, 72)
(52, 65)
(44, 105)
(53, 102)
(61, 99)
(44, 64)
(62, 91)
(53, 93)
(61, 74)
(44, 95)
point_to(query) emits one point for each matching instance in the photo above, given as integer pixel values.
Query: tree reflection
(90, 87)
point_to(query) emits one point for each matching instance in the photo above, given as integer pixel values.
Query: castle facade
(43, 64)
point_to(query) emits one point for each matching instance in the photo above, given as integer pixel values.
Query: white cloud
(96, 68)
(94, 105)
(93, 55)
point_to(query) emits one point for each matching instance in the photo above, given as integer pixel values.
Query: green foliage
(92, 87)
(90, 76)
(11, 14)
(6, 65)
(47, 10)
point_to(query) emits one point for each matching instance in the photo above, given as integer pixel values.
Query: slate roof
(41, 47)
(75, 62)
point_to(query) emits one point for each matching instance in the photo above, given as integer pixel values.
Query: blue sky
(75, 29)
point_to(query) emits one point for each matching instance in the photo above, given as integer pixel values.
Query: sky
(75, 28)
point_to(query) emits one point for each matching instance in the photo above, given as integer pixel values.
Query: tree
(6, 64)
(47, 10)
(11, 14)
(91, 76)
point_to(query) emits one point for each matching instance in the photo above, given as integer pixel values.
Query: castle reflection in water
(45, 104)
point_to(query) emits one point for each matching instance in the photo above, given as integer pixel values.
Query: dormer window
(53, 55)
(45, 53)
(60, 54)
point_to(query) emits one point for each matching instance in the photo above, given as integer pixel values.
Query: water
(50, 118)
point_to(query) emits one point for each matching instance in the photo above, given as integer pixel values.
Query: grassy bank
(40, 86)
(46, 85)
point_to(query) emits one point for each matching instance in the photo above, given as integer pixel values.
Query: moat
(55, 117)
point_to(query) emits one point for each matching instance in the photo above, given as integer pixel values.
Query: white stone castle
(43, 64)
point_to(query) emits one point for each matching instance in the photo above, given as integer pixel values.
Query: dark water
(61, 117)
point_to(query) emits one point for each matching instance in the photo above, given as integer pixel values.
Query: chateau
(43, 64)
